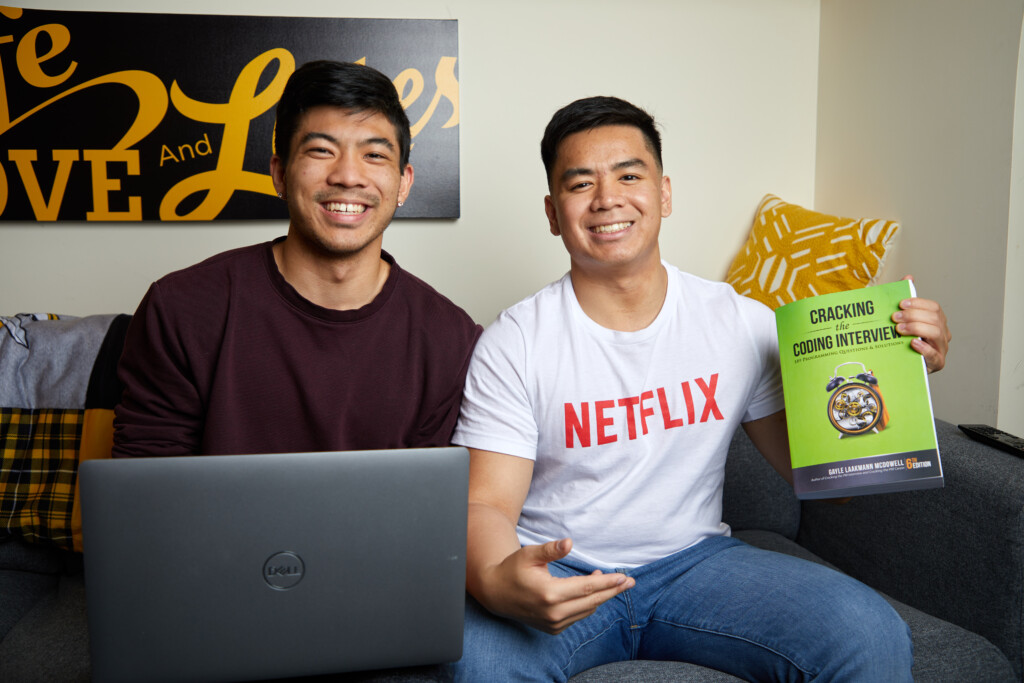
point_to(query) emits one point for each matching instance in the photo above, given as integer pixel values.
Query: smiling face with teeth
(608, 196)
(342, 182)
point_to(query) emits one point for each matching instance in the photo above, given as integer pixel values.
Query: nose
(346, 171)
(606, 196)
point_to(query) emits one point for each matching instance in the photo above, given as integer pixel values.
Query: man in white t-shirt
(598, 413)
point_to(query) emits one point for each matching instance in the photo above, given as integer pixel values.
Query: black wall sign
(116, 116)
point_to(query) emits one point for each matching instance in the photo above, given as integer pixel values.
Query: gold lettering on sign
(147, 88)
(103, 184)
(30, 61)
(202, 148)
(447, 86)
(244, 104)
(44, 209)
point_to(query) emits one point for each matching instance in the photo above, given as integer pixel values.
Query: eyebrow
(576, 171)
(333, 140)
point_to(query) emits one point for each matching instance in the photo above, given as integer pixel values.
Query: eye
(318, 152)
(582, 185)
(630, 177)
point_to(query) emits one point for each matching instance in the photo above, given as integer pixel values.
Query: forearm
(491, 537)
(770, 437)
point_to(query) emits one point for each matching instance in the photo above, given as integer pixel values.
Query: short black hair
(345, 85)
(594, 112)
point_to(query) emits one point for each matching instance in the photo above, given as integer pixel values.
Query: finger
(925, 319)
(565, 613)
(918, 304)
(927, 316)
(588, 595)
(921, 328)
(564, 596)
(929, 340)
(568, 589)
(583, 607)
(551, 551)
(920, 309)
(934, 359)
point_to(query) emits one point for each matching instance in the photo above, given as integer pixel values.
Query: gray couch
(950, 560)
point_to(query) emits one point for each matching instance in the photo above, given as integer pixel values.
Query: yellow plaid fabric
(38, 472)
(58, 384)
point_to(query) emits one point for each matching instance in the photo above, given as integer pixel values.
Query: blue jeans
(723, 604)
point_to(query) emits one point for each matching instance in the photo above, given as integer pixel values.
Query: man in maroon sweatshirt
(317, 340)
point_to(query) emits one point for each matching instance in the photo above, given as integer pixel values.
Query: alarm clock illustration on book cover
(855, 405)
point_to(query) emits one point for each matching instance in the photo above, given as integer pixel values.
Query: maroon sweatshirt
(226, 357)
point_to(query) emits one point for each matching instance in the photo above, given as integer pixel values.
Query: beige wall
(915, 122)
(1011, 381)
(737, 105)
(912, 118)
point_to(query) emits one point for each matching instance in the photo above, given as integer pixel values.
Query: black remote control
(996, 438)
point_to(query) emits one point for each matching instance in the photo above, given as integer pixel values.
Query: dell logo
(283, 571)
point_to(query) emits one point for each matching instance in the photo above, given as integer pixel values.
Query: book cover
(858, 409)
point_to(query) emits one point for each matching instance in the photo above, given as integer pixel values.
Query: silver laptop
(221, 568)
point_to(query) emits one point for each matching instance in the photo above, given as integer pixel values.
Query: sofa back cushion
(756, 496)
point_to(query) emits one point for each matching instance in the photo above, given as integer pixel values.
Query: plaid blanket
(58, 389)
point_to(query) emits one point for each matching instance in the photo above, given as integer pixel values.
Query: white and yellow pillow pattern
(793, 253)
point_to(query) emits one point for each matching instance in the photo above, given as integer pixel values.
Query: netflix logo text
(603, 422)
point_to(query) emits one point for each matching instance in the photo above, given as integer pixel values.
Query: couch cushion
(51, 641)
(19, 592)
(793, 253)
(643, 671)
(942, 651)
(29, 573)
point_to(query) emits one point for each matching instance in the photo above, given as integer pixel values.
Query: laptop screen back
(217, 568)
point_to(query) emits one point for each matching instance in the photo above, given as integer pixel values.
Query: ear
(405, 184)
(277, 174)
(552, 214)
(666, 197)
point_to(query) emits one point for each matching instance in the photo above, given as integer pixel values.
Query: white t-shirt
(628, 430)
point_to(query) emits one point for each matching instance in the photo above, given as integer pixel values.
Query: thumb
(553, 550)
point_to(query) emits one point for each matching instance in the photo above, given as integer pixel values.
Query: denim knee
(873, 645)
(496, 649)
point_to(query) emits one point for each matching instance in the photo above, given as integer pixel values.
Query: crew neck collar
(307, 307)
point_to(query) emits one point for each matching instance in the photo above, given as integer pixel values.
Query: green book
(857, 404)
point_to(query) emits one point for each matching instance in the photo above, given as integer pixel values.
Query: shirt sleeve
(161, 409)
(767, 397)
(497, 414)
(439, 423)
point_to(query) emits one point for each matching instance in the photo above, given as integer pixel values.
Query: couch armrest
(956, 552)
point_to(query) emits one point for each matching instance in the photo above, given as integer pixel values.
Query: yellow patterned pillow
(793, 253)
